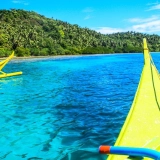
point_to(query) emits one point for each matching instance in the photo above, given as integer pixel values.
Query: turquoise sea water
(65, 108)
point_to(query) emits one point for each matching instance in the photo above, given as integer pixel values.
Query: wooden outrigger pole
(3, 63)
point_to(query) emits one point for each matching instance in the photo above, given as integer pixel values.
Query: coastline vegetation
(32, 34)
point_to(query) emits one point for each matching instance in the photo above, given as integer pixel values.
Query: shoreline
(53, 57)
(39, 57)
(65, 56)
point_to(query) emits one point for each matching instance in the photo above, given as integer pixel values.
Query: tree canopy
(32, 34)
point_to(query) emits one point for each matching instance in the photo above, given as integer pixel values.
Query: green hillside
(31, 34)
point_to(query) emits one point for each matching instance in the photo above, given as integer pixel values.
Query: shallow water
(66, 108)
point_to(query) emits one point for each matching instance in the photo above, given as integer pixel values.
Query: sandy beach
(53, 57)
(41, 57)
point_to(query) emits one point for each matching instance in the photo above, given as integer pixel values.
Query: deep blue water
(65, 108)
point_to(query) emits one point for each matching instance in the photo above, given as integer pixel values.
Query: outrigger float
(3, 63)
(139, 137)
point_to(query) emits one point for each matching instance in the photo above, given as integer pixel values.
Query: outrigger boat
(139, 137)
(3, 63)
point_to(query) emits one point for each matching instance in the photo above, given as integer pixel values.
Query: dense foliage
(29, 33)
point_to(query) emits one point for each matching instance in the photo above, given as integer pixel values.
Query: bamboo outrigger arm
(3, 63)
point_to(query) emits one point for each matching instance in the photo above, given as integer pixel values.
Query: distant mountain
(29, 33)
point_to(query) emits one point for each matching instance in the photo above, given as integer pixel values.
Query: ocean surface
(65, 108)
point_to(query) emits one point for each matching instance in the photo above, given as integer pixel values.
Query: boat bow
(142, 125)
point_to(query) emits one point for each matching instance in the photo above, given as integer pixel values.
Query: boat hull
(142, 125)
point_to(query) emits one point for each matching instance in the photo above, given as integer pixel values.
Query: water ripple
(63, 109)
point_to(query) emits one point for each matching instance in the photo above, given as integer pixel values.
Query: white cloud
(16, 1)
(20, 2)
(152, 3)
(88, 10)
(141, 20)
(154, 7)
(87, 17)
(152, 26)
(109, 30)
(146, 25)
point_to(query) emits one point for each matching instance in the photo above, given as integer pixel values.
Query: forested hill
(29, 33)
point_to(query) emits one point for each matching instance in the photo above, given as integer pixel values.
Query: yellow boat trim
(3, 63)
(10, 74)
(142, 125)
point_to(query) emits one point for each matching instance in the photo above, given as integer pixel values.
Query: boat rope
(152, 65)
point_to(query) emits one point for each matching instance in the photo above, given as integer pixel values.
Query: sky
(104, 16)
